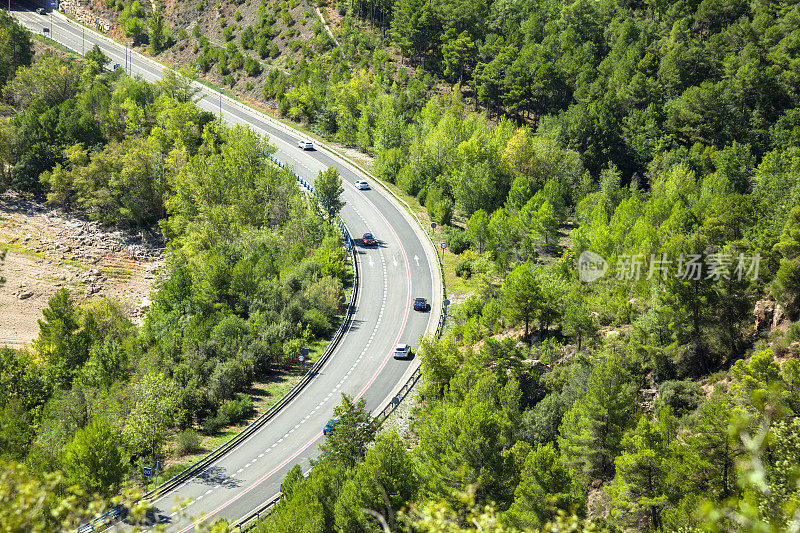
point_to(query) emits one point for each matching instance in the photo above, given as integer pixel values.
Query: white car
(362, 185)
(305, 145)
(402, 351)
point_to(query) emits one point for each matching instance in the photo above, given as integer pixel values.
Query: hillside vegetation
(97, 398)
(664, 136)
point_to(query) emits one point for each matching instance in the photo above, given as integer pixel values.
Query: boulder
(764, 312)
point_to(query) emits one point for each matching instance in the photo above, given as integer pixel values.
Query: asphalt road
(400, 268)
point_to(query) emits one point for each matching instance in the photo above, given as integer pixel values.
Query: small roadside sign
(301, 358)
(446, 302)
(444, 245)
(433, 225)
(147, 471)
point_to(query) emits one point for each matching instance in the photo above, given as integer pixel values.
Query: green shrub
(237, 16)
(457, 240)
(464, 269)
(227, 34)
(252, 67)
(188, 442)
(682, 396)
(274, 51)
(222, 22)
(234, 411)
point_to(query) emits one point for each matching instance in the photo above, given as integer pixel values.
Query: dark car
(368, 239)
(420, 304)
(330, 425)
(41, 11)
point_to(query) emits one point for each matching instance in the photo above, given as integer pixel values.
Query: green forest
(664, 137)
(97, 397)
(661, 136)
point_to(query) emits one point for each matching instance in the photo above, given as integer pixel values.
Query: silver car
(305, 145)
(402, 351)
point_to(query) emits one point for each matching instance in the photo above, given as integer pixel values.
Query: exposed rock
(779, 318)
(24, 295)
(764, 312)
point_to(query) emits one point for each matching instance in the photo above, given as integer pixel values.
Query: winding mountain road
(401, 267)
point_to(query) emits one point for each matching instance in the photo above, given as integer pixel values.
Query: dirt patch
(48, 248)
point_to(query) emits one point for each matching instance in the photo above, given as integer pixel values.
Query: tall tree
(93, 458)
(522, 296)
(16, 48)
(328, 187)
(545, 487)
(379, 487)
(591, 432)
(640, 487)
(354, 431)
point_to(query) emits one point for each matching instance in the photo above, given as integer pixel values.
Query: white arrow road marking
(371, 262)
(394, 260)
(416, 259)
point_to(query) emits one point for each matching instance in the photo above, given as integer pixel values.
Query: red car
(368, 239)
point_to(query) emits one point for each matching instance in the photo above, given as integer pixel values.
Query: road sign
(146, 471)
(433, 225)
(304, 351)
(444, 245)
(301, 358)
(446, 303)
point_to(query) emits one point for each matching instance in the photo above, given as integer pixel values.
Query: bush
(227, 34)
(457, 241)
(188, 442)
(682, 396)
(212, 425)
(234, 411)
(237, 16)
(464, 269)
(252, 67)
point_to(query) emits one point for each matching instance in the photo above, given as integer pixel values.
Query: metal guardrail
(117, 513)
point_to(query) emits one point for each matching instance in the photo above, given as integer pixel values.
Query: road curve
(401, 267)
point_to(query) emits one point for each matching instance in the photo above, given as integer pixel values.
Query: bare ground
(48, 248)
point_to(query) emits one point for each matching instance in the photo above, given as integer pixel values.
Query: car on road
(420, 304)
(402, 351)
(368, 240)
(305, 145)
(362, 185)
(41, 11)
(330, 425)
